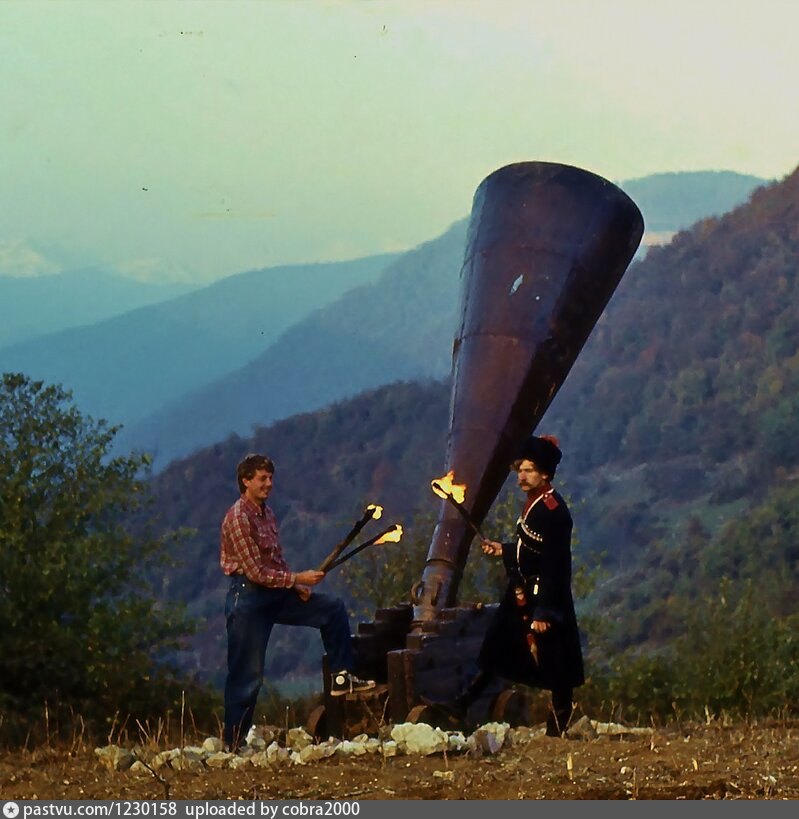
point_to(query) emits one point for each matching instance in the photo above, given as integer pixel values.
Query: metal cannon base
(414, 669)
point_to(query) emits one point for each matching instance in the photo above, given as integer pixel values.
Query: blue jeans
(251, 611)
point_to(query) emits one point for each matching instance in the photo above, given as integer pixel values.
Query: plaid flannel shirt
(250, 545)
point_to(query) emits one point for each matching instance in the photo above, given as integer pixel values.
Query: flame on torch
(455, 493)
(393, 536)
(372, 512)
(446, 488)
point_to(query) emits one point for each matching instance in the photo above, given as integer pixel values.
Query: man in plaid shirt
(264, 591)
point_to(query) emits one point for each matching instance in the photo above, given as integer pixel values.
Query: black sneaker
(345, 682)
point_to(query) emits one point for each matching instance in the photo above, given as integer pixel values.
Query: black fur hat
(543, 451)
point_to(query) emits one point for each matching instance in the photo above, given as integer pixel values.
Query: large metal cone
(547, 246)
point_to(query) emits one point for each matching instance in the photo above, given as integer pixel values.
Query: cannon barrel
(547, 246)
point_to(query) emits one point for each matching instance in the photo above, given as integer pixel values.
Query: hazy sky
(198, 139)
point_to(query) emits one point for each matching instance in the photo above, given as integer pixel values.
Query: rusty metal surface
(546, 248)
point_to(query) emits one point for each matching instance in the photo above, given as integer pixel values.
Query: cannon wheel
(512, 707)
(316, 724)
(430, 715)
(420, 713)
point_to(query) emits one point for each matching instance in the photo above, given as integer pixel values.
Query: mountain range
(400, 327)
(44, 305)
(128, 366)
(267, 344)
(674, 201)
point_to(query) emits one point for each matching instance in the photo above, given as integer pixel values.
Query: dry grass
(712, 759)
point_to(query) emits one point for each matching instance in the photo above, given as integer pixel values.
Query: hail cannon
(547, 246)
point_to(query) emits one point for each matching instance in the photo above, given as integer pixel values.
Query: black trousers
(560, 712)
(251, 611)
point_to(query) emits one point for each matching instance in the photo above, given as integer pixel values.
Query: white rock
(115, 758)
(329, 746)
(259, 736)
(489, 738)
(159, 760)
(213, 745)
(187, 762)
(616, 729)
(419, 738)
(277, 755)
(350, 748)
(389, 748)
(457, 741)
(313, 753)
(297, 739)
(139, 768)
(239, 762)
(219, 760)
(583, 728)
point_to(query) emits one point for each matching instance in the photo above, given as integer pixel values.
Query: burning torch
(391, 535)
(372, 512)
(455, 494)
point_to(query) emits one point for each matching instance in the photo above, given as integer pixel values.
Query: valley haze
(177, 141)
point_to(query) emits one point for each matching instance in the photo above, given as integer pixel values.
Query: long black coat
(538, 563)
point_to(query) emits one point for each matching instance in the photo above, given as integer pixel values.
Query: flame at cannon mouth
(377, 511)
(392, 536)
(445, 487)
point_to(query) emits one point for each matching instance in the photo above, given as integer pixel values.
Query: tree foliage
(79, 624)
(731, 656)
(709, 624)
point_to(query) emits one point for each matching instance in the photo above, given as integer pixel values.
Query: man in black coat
(533, 637)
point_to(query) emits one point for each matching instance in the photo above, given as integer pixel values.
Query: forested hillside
(696, 356)
(687, 389)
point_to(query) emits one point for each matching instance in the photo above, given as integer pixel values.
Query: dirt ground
(687, 762)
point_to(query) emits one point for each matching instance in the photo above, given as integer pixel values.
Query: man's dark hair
(250, 465)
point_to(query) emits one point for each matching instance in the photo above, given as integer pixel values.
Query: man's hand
(303, 592)
(310, 577)
(491, 547)
(540, 626)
